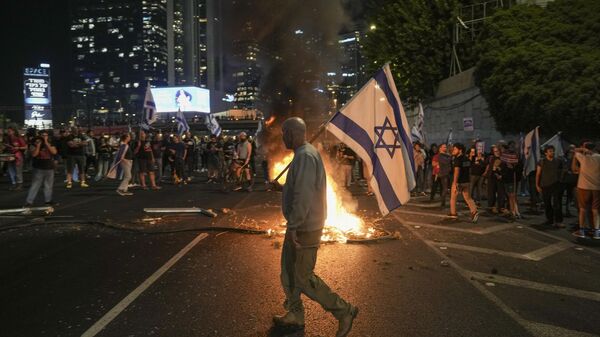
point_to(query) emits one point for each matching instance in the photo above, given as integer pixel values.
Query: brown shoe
(290, 319)
(345, 323)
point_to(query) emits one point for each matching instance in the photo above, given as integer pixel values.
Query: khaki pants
(464, 190)
(298, 277)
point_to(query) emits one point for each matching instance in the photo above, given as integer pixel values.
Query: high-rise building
(118, 47)
(352, 67)
(248, 73)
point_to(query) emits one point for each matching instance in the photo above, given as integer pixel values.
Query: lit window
(104, 50)
(120, 36)
(136, 84)
(136, 66)
(80, 57)
(116, 79)
(121, 54)
(131, 54)
(91, 26)
(127, 85)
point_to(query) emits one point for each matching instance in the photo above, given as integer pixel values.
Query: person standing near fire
(304, 207)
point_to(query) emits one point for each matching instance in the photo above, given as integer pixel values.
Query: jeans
(496, 195)
(442, 183)
(41, 177)
(15, 172)
(103, 166)
(419, 180)
(553, 202)
(476, 186)
(126, 168)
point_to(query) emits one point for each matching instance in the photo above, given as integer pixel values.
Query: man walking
(460, 183)
(305, 208)
(442, 164)
(43, 153)
(588, 187)
(548, 178)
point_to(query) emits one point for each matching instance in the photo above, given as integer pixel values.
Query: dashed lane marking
(476, 230)
(536, 255)
(542, 253)
(117, 309)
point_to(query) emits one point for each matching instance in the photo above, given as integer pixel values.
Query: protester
(570, 182)
(587, 163)
(477, 170)
(178, 153)
(441, 167)
(511, 171)
(76, 157)
(460, 183)
(493, 173)
(105, 152)
(548, 177)
(346, 158)
(90, 152)
(157, 152)
(124, 161)
(42, 153)
(145, 156)
(433, 150)
(15, 145)
(243, 154)
(190, 159)
(419, 158)
(213, 163)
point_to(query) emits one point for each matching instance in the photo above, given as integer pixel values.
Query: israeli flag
(149, 115)
(418, 134)
(531, 148)
(212, 125)
(557, 142)
(182, 125)
(373, 124)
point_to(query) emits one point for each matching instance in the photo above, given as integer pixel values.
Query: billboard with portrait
(186, 99)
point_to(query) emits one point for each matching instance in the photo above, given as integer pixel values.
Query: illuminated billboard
(186, 99)
(38, 99)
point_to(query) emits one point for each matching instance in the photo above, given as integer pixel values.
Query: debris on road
(445, 263)
(207, 212)
(490, 284)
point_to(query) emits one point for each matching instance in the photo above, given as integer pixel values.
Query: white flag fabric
(556, 141)
(417, 130)
(212, 125)
(182, 124)
(149, 115)
(449, 138)
(531, 148)
(373, 124)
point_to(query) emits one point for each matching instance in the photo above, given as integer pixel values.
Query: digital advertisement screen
(38, 99)
(186, 99)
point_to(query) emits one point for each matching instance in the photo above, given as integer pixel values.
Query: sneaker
(124, 193)
(69, 185)
(452, 216)
(84, 184)
(237, 188)
(596, 234)
(475, 217)
(580, 233)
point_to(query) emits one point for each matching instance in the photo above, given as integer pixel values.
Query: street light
(373, 27)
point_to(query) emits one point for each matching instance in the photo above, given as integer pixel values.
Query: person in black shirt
(548, 177)
(477, 170)
(42, 152)
(76, 157)
(105, 152)
(178, 152)
(460, 183)
(146, 162)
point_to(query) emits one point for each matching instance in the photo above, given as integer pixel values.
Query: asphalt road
(441, 278)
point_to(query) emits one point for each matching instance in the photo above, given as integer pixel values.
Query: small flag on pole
(212, 125)
(417, 130)
(449, 139)
(556, 141)
(373, 124)
(149, 115)
(182, 125)
(531, 148)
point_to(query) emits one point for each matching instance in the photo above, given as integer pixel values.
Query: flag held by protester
(374, 125)
(557, 142)
(417, 132)
(531, 148)
(149, 115)
(115, 170)
(212, 125)
(182, 124)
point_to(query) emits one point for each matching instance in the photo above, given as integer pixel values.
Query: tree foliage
(416, 37)
(542, 67)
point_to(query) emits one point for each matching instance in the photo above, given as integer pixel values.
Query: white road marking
(542, 253)
(117, 309)
(549, 288)
(547, 330)
(476, 230)
(536, 255)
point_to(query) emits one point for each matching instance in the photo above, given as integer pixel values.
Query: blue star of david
(380, 143)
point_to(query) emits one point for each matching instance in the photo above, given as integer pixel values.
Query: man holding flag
(149, 115)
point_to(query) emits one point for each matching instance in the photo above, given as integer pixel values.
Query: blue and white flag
(449, 138)
(373, 124)
(418, 134)
(115, 170)
(149, 116)
(531, 148)
(182, 124)
(212, 125)
(557, 142)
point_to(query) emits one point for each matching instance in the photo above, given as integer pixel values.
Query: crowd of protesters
(139, 159)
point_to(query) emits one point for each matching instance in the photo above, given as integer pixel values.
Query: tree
(542, 67)
(416, 37)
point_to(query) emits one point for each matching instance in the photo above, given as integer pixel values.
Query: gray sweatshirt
(305, 191)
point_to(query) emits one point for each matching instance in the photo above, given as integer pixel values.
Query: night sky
(32, 32)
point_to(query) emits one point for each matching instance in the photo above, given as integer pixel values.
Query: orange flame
(341, 222)
(270, 121)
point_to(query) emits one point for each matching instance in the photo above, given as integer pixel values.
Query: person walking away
(477, 170)
(346, 159)
(104, 155)
(243, 154)
(460, 183)
(587, 163)
(16, 145)
(442, 165)
(124, 161)
(305, 208)
(145, 157)
(419, 157)
(548, 177)
(42, 152)
(76, 157)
